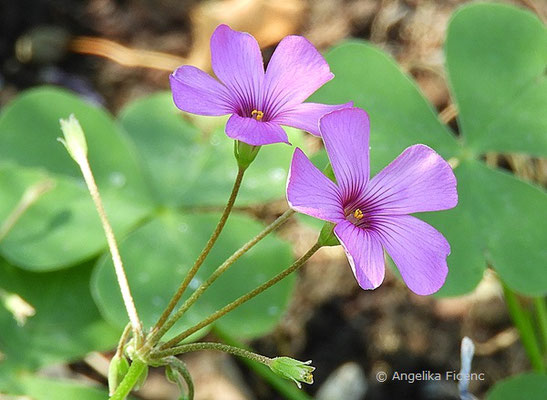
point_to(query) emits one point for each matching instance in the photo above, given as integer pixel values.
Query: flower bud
(116, 372)
(74, 138)
(327, 236)
(245, 153)
(290, 368)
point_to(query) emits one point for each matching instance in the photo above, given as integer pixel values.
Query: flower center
(257, 114)
(357, 217)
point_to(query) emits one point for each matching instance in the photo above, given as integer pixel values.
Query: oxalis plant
(365, 215)
(440, 209)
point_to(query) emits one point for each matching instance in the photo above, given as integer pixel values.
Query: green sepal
(245, 153)
(327, 236)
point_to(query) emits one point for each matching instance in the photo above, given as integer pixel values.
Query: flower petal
(196, 92)
(416, 181)
(418, 250)
(364, 252)
(346, 137)
(237, 62)
(294, 72)
(306, 116)
(312, 193)
(253, 132)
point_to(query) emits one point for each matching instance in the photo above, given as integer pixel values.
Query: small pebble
(347, 382)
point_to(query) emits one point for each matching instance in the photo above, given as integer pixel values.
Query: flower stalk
(123, 340)
(75, 143)
(176, 372)
(188, 348)
(285, 389)
(286, 367)
(201, 258)
(219, 271)
(246, 297)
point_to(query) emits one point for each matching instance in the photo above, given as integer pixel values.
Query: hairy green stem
(541, 313)
(219, 271)
(287, 389)
(526, 330)
(179, 366)
(130, 380)
(201, 258)
(246, 297)
(236, 351)
(113, 246)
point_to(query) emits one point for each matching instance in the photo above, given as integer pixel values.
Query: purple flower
(372, 214)
(259, 102)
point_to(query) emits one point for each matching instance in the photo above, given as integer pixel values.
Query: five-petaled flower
(372, 214)
(259, 102)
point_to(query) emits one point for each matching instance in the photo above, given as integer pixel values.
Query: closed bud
(74, 138)
(116, 372)
(290, 368)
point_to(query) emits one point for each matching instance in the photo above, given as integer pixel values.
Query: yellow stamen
(258, 115)
(358, 214)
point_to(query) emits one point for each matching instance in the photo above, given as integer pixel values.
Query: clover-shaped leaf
(496, 57)
(42, 388)
(66, 324)
(62, 228)
(525, 386)
(499, 219)
(194, 167)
